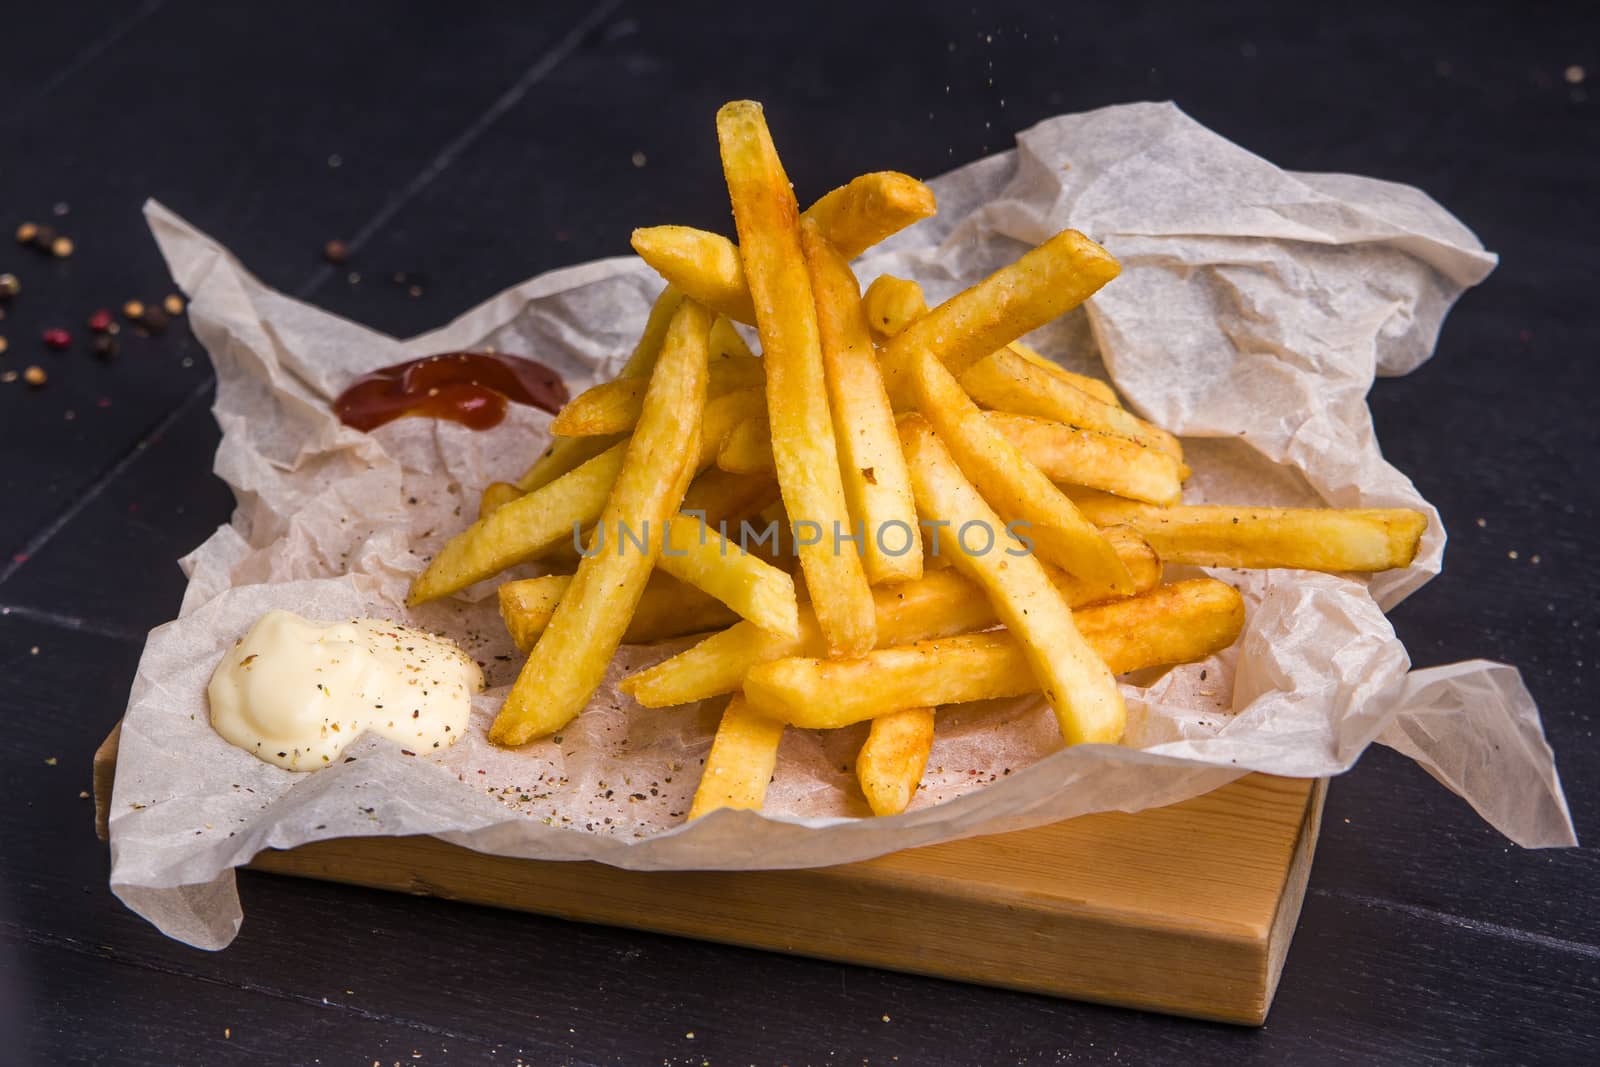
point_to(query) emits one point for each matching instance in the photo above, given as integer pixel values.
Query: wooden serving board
(1186, 909)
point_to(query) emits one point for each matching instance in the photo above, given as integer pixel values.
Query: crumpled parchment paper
(1254, 309)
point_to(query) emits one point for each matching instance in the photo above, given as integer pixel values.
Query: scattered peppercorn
(27, 232)
(9, 286)
(336, 251)
(57, 339)
(173, 304)
(35, 376)
(61, 247)
(133, 310)
(101, 322)
(104, 345)
(153, 319)
(44, 236)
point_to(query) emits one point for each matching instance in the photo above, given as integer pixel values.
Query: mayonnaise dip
(296, 692)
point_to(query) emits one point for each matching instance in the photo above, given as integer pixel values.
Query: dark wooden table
(488, 142)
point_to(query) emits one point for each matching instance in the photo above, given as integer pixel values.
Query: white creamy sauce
(296, 692)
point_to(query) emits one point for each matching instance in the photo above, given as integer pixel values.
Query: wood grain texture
(1186, 909)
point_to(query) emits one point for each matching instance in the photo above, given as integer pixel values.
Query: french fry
(806, 458)
(1313, 539)
(941, 603)
(1077, 684)
(724, 414)
(743, 755)
(1014, 487)
(892, 304)
(495, 495)
(726, 342)
(562, 457)
(893, 757)
(699, 556)
(533, 525)
(865, 210)
(722, 498)
(1044, 283)
(667, 608)
(571, 656)
(1091, 458)
(613, 407)
(1096, 388)
(704, 265)
(521, 530)
(1066, 454)
(1005, 381)
(853, 217)
(876, 484)
(1176, 623)
(748, 448)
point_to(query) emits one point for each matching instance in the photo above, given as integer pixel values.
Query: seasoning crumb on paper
(335, 523)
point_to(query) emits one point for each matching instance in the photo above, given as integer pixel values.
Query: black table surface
(483, 143)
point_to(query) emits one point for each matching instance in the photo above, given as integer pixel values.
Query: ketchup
(471, 388)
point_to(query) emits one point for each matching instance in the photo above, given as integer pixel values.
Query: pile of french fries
(941, 515)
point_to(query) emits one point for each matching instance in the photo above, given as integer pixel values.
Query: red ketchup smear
(471, 388)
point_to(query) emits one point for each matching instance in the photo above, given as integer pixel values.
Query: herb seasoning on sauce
(471, 388)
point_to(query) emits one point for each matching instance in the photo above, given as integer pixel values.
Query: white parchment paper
(1254, 309)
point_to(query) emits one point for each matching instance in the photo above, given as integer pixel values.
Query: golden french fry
(571, 656)
(724, 414)
(1030, 503)
(667, 608)
(1077, 684)
(1066, 454)
(1092, 458)
(1005, 381)
(1313, 539)
(704, 265)
(522, 529)
(1176, 623)
(865, 210)
(743, 755)
(941, 603)
(748, 448)
(726, 342)
(563, 456)
(892, 304)
(806, 458)
(613, 407)
(1046, 282)
(720, 498)
(1096, 388)
(700, 556)
(853, 217)
(893, 757)
(496, 494)
(538, 524)
(876, 484)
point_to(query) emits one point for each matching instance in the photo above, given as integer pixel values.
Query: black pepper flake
(407, 752)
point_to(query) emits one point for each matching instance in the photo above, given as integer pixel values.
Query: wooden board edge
(815, 913)
(1293, 896)
(428, 867)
